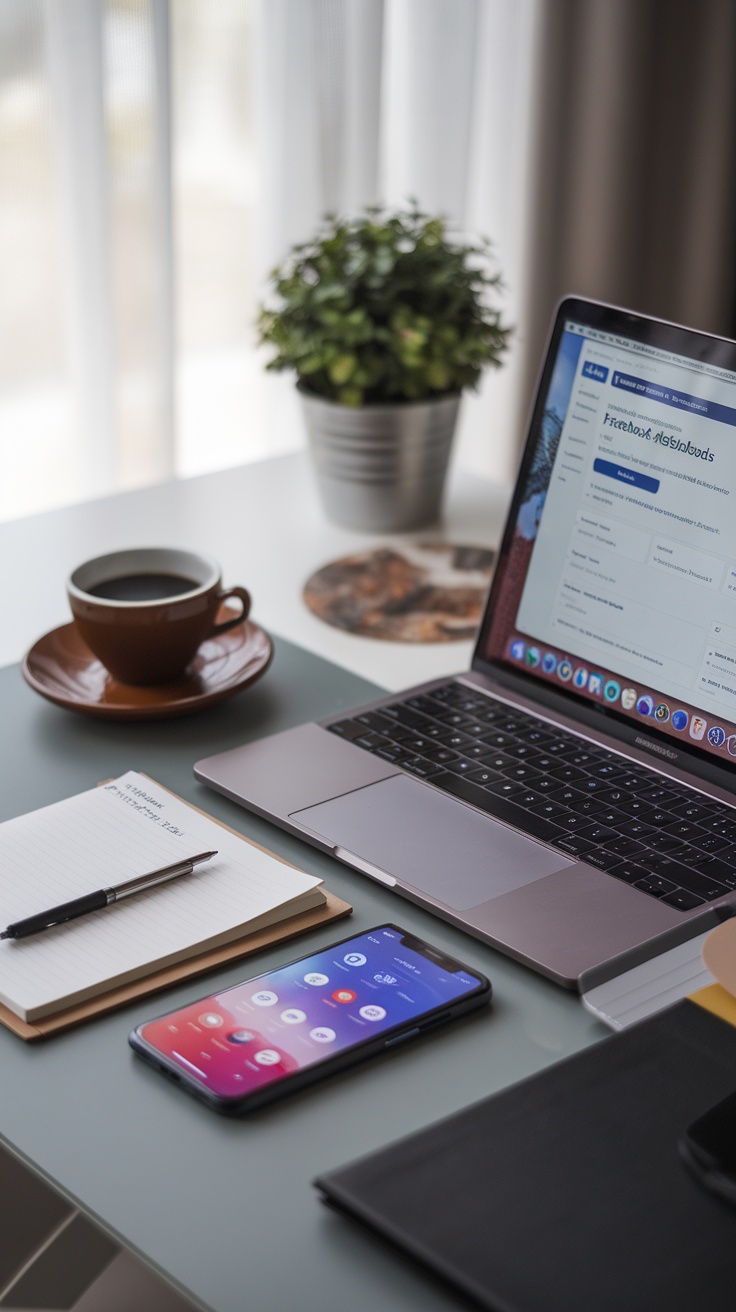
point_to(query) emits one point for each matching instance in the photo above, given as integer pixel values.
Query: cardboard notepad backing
(198, 964)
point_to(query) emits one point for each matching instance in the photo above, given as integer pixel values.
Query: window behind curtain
(158, 156)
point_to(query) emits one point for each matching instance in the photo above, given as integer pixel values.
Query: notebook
(567, 1190)
(102, 837)
(570, 798)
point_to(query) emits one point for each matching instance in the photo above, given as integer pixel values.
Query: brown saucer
(61, 667)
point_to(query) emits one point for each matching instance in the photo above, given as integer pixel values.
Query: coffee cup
(145, 611)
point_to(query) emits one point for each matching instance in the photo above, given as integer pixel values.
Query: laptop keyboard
(662, 837)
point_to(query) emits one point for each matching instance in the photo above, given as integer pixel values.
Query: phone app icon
(316, 978)
(518, 650)
(679, 720)
(372, 1012)
(240, 1036)
(564, 671)
(344, 995)
(549, 662)
(210, 1020)
(645, 706)
(716, 736)
(580, 677)
(628, 699)
(662, 712)
(267, 1057)
(385, 979)
(354, 959)
(322, 1034)
(698, 726)
(293, 1016)
(265, 998)
(611, 690)
(595, 684)
(533, 657)
(731, 745)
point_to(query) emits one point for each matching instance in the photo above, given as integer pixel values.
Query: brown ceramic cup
(145, 611)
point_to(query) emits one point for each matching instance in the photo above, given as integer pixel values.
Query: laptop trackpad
(431, 841)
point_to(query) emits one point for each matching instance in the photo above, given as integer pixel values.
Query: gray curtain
(636, 174)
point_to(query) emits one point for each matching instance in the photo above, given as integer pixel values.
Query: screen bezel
(702, 347)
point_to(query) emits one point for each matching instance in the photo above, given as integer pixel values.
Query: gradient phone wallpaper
(258, 1032)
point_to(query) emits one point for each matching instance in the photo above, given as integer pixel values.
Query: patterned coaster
(419, 592)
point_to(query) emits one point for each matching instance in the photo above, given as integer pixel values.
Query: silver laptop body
(570, 799)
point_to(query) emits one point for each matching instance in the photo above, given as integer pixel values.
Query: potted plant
(385, 318)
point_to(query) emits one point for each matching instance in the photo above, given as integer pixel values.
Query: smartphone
(278, 1032)
(708, 1147)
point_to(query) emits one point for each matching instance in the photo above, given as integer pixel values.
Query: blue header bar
(695, 405)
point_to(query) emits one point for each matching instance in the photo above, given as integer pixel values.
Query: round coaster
(418, 592)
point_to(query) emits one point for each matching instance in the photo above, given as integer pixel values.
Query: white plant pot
(381, 468)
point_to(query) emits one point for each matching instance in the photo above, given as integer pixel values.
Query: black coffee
(143, 587)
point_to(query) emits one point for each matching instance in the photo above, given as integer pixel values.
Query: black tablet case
(566, 1193)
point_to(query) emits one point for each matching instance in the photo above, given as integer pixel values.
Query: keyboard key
(424, 769)
(636, 828)
(589, 807)
(575, 822)
(566, 795)
(569, 774)
(603, 859)
(348, 729)
(615, 819)
(423, 704)
(551, 810)
(460, 741)
(718, 869)
(374, 720)
(441, 755)
(480, 775)
(573, 844)
(460, 765)
(601, 834)
(522, 751)
(496, 739)
(393, 753)
(660, 841)
(522, 772)
(372, 740)
(696, 881)
(683, 900)
(693, 810)
(627, 871)
(506, 788)
(625, 846)
(682, 828)
(711, 842)
(455, 719)
(654, 885)
(415, 743)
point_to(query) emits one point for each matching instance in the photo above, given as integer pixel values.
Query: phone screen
(262, 1031)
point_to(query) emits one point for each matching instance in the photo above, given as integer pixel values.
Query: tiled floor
(53, 1257)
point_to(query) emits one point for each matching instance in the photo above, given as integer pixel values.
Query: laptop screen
(616, 580)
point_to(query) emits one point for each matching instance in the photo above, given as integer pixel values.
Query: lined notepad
(110, 834)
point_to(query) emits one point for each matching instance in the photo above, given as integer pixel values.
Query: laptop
(570, 798)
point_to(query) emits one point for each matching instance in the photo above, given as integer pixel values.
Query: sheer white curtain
(158, 157)
(380, 100)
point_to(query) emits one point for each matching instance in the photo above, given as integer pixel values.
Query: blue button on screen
(624, 475)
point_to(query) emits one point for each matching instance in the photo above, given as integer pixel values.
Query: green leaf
(341, 369)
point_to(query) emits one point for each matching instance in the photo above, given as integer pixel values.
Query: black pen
(104, 897)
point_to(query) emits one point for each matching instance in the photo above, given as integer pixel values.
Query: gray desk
(225, 1208)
